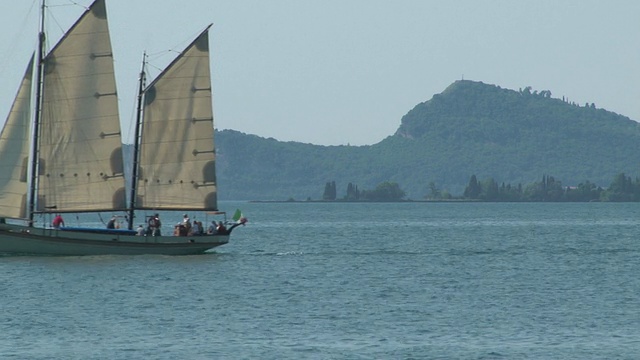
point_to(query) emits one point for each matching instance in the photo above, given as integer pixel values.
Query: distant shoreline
(363, 201)
(417, 201)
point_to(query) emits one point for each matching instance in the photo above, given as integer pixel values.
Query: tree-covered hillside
(470, 128)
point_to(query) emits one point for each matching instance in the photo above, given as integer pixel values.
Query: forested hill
(470, 128)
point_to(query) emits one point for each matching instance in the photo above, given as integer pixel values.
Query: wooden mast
(35, 151)
(136, 144)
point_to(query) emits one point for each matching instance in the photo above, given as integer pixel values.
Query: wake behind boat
(66, 156)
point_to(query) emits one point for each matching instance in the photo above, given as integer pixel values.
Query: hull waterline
(21, 240)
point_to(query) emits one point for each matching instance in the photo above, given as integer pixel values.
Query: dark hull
(15, 239)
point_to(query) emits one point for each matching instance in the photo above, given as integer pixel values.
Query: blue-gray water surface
(348, 281)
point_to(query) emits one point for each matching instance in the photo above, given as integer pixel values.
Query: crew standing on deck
(186, 222)
(154, 225)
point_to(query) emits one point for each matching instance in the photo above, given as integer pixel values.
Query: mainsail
(80, 156)
(177, 158)
(15, 147)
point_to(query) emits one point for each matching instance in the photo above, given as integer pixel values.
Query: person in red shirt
(57, 222)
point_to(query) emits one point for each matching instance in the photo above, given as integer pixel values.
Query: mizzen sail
(177, 158)
(80, 153)
(15, 148)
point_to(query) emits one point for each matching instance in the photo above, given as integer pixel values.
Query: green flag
(238, 215)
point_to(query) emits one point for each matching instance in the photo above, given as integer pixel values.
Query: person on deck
(112, 223)
(140, 230)
(57, 222)
(212, 228)
(221, 228)
(195, 229)
(154, 225)
(186, 222)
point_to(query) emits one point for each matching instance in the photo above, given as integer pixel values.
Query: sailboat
(63, 153)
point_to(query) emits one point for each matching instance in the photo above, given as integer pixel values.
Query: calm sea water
(348, 281)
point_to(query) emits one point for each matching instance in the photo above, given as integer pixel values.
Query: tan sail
(80, 147)
(15, 147)
(177, 159)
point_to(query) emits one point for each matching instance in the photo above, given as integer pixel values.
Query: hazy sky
(335, 72)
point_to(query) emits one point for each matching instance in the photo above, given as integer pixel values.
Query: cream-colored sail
(177, 160)
(15, 147)
(80, 147)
